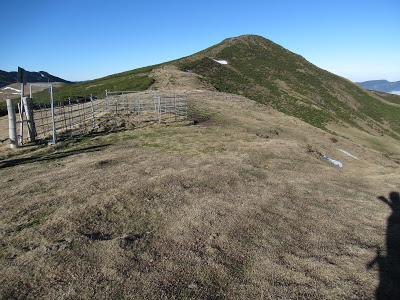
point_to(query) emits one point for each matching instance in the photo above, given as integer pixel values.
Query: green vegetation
(389, 97)
(131, 80)
(269, 74)
(137, 80)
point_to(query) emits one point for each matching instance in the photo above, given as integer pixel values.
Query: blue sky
(81, 40)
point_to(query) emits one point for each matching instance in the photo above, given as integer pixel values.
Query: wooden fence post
(27, 102)
(12, 124)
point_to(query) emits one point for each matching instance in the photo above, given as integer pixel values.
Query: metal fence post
(159, 109)
(53, 121)
(107, 102)
(70, 113)
(63, 112)
(176, 112)
(93, 115)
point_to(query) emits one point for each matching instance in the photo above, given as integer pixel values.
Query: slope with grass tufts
(238, 207)
(270, 74)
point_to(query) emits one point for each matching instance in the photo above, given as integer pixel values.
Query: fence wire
(78, 116)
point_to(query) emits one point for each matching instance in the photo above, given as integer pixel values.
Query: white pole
(21, 115)
(107, 103)
(159, 109)
(52, 115)
(12, 124)
(93, 115)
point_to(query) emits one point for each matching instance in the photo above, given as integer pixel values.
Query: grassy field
(233, 207)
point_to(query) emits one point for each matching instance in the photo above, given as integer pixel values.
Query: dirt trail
(171, 78)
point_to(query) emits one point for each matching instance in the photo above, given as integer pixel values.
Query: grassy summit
(269, 73)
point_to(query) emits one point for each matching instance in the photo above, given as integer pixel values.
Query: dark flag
(21, 78)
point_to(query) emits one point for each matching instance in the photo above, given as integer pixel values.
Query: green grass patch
(135, 80)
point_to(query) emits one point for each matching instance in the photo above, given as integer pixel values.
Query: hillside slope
(134, 80)
(267, 73)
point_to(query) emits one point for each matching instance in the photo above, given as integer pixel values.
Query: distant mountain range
(7, 78)
(381, 86)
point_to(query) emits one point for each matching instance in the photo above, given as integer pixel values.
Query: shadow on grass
(49, 157)
(389, 265)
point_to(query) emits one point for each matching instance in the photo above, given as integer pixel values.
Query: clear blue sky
(81, 40)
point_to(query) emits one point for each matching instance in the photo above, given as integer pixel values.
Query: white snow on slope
(395, 92)
(221, 61)
(10, 88)
(348, 153)
(334, 162)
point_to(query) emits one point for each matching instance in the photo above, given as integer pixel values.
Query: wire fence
(78, 116)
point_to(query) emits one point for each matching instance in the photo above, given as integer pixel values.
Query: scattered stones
(268, 133)
(56, 247)
(130, 241)
(103, 163)
(311, 150)
(98, 236)
(333, 139)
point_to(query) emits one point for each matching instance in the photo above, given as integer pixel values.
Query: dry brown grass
(234, 207)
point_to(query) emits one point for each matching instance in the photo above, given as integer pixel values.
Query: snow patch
(221, 61)
(41, 75)
(10, 88)
(334, 162)
(395, 92)
(348, 154)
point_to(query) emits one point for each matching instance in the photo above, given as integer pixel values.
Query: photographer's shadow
(389, 264)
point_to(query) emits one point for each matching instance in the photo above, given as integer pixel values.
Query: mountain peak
(266, 72)
(246, 39)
